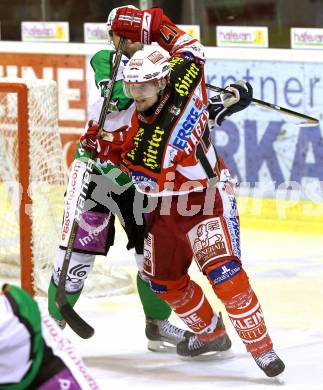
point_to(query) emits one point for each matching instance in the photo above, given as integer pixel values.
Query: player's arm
(34, 352)
(223, 105)
(25, 309)
(101, 64)
(153, 26)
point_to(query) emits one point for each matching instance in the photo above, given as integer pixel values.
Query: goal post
(32, 184)
(31, 178)
(21, 91)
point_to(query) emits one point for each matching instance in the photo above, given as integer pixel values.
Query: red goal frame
(25, 221)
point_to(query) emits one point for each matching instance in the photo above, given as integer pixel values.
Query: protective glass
(141, 90)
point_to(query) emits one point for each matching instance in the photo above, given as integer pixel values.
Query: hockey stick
(309, 121)
(81, 327)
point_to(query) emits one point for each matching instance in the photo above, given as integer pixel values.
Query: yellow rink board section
(281, 215)
(255, 213)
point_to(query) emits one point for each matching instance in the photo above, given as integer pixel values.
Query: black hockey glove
(135, 232)
(226, 104)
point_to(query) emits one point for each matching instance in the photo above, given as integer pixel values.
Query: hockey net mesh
(46, 188)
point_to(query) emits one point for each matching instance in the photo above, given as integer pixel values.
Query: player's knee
(228, 279)
(158, 288)
(170, 290)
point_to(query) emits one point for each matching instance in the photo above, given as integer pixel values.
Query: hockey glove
(135, 232)
(226, 104)
(137, 25)
(91, 140)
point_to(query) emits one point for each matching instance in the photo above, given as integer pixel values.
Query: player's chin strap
(308, 120)
(81, 327)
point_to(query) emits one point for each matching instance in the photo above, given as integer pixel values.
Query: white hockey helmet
(146, 72)
(111, 17)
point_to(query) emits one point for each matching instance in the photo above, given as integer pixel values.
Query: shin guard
(230, 283)
(187, 300)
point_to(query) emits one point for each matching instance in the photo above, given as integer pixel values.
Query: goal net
(32, 184)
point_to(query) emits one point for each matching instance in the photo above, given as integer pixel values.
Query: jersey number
(168, 34)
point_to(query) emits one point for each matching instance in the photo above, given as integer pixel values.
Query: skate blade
(278, 380)
(161, 346)
(209, 356)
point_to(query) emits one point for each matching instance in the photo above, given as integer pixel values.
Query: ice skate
(163, 336)
(206, 345)
(270, 363)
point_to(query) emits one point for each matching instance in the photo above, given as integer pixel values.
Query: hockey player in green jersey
(34, 354)
(160, 332)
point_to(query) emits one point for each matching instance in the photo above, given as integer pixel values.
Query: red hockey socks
(243, 309)
(188, 301)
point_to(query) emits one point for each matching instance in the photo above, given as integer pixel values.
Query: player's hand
(89, 140)
(137, 25)
(240, 96)
(226, 104)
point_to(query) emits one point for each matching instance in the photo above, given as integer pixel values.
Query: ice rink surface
(286, 272)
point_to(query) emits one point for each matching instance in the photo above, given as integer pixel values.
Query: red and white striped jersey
(169, 152)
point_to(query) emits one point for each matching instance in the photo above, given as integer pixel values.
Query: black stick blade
(82, 328)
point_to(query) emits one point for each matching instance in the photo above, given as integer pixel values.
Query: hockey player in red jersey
(97, 234)
(169, 155)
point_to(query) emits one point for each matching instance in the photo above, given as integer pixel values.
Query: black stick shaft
(81, 327)
(109, 90)
(270, 106)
